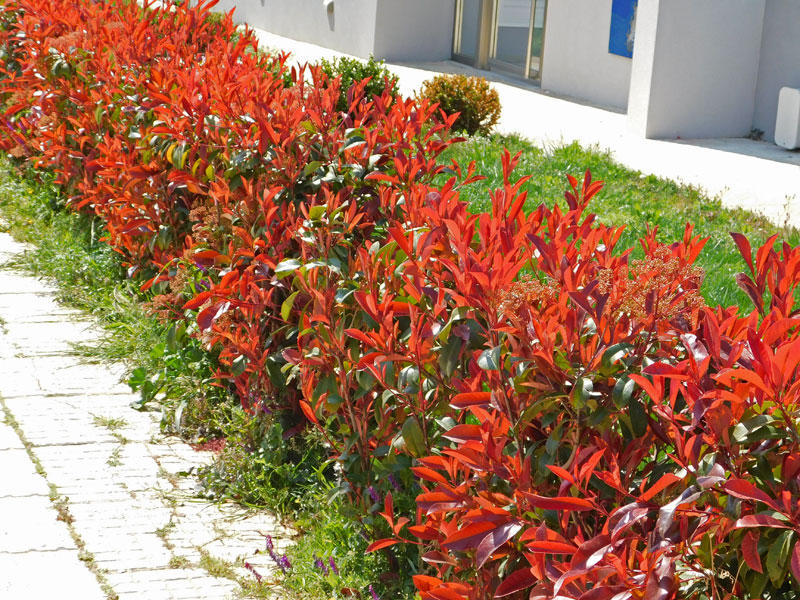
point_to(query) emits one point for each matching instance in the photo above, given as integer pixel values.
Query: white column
(695, 68)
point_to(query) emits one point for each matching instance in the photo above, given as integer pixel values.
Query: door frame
(481, 58)
(486, 42)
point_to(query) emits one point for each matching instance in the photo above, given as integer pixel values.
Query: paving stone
(174, 584)
(61, 434)
(49, 338)
(29, 524)
(20, 384)
(19, 476)
(14, 283)
(9, 245)
(96, 514)
(9, 440)
(44, 575)
(16, 365)
(34, 308)
(62, 376)
(127, 558)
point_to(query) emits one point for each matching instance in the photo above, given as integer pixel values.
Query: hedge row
(574, 422)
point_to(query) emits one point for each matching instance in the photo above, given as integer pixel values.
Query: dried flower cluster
(660, 286)
(527, 292)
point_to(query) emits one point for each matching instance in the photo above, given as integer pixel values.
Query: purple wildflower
(394, 483)
(282, 561)
(318, 564)
(373, 592)
(373, 494)
(284, 564)
(250, 568)
(332, 563)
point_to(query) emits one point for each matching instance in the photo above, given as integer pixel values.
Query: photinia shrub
(539, 412)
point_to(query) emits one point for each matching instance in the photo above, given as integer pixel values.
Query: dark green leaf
(638, 417)
(489, 360)
(238, 365)
(287, 267)
(623, 391)
(448, 359)
(412, 434)
(778, 556)
(615, 353)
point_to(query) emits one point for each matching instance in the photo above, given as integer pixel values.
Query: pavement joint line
(71, 444)
(17, 552)
(68, 395)
(51, 354)
(17, 496)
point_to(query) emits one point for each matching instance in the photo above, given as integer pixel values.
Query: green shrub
(215, 20)
(353, 70)
(477, 103)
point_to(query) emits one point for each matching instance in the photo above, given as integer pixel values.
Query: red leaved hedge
(580, 423)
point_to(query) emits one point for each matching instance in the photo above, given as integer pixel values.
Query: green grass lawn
(629, 198)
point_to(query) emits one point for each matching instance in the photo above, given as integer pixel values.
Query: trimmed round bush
(477, 103)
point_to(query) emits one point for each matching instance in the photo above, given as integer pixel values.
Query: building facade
(679, 68)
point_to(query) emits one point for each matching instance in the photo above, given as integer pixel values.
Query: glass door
(518, 36)
(503, 35)
(510, 43)
(467, 30)
(534, 67)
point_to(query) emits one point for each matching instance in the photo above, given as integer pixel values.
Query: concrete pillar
(780, 61)
(695, 68)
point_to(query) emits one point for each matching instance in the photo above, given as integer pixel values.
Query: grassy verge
(629, 198)
(68, 248)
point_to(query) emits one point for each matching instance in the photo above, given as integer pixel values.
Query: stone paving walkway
(94, 502)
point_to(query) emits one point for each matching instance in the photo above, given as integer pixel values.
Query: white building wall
(780, 61)
(348, 28)
(396, 30)
(695, 68)
(576, 59)
(414, 30)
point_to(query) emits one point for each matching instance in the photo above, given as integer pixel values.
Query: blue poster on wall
(623, 27)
